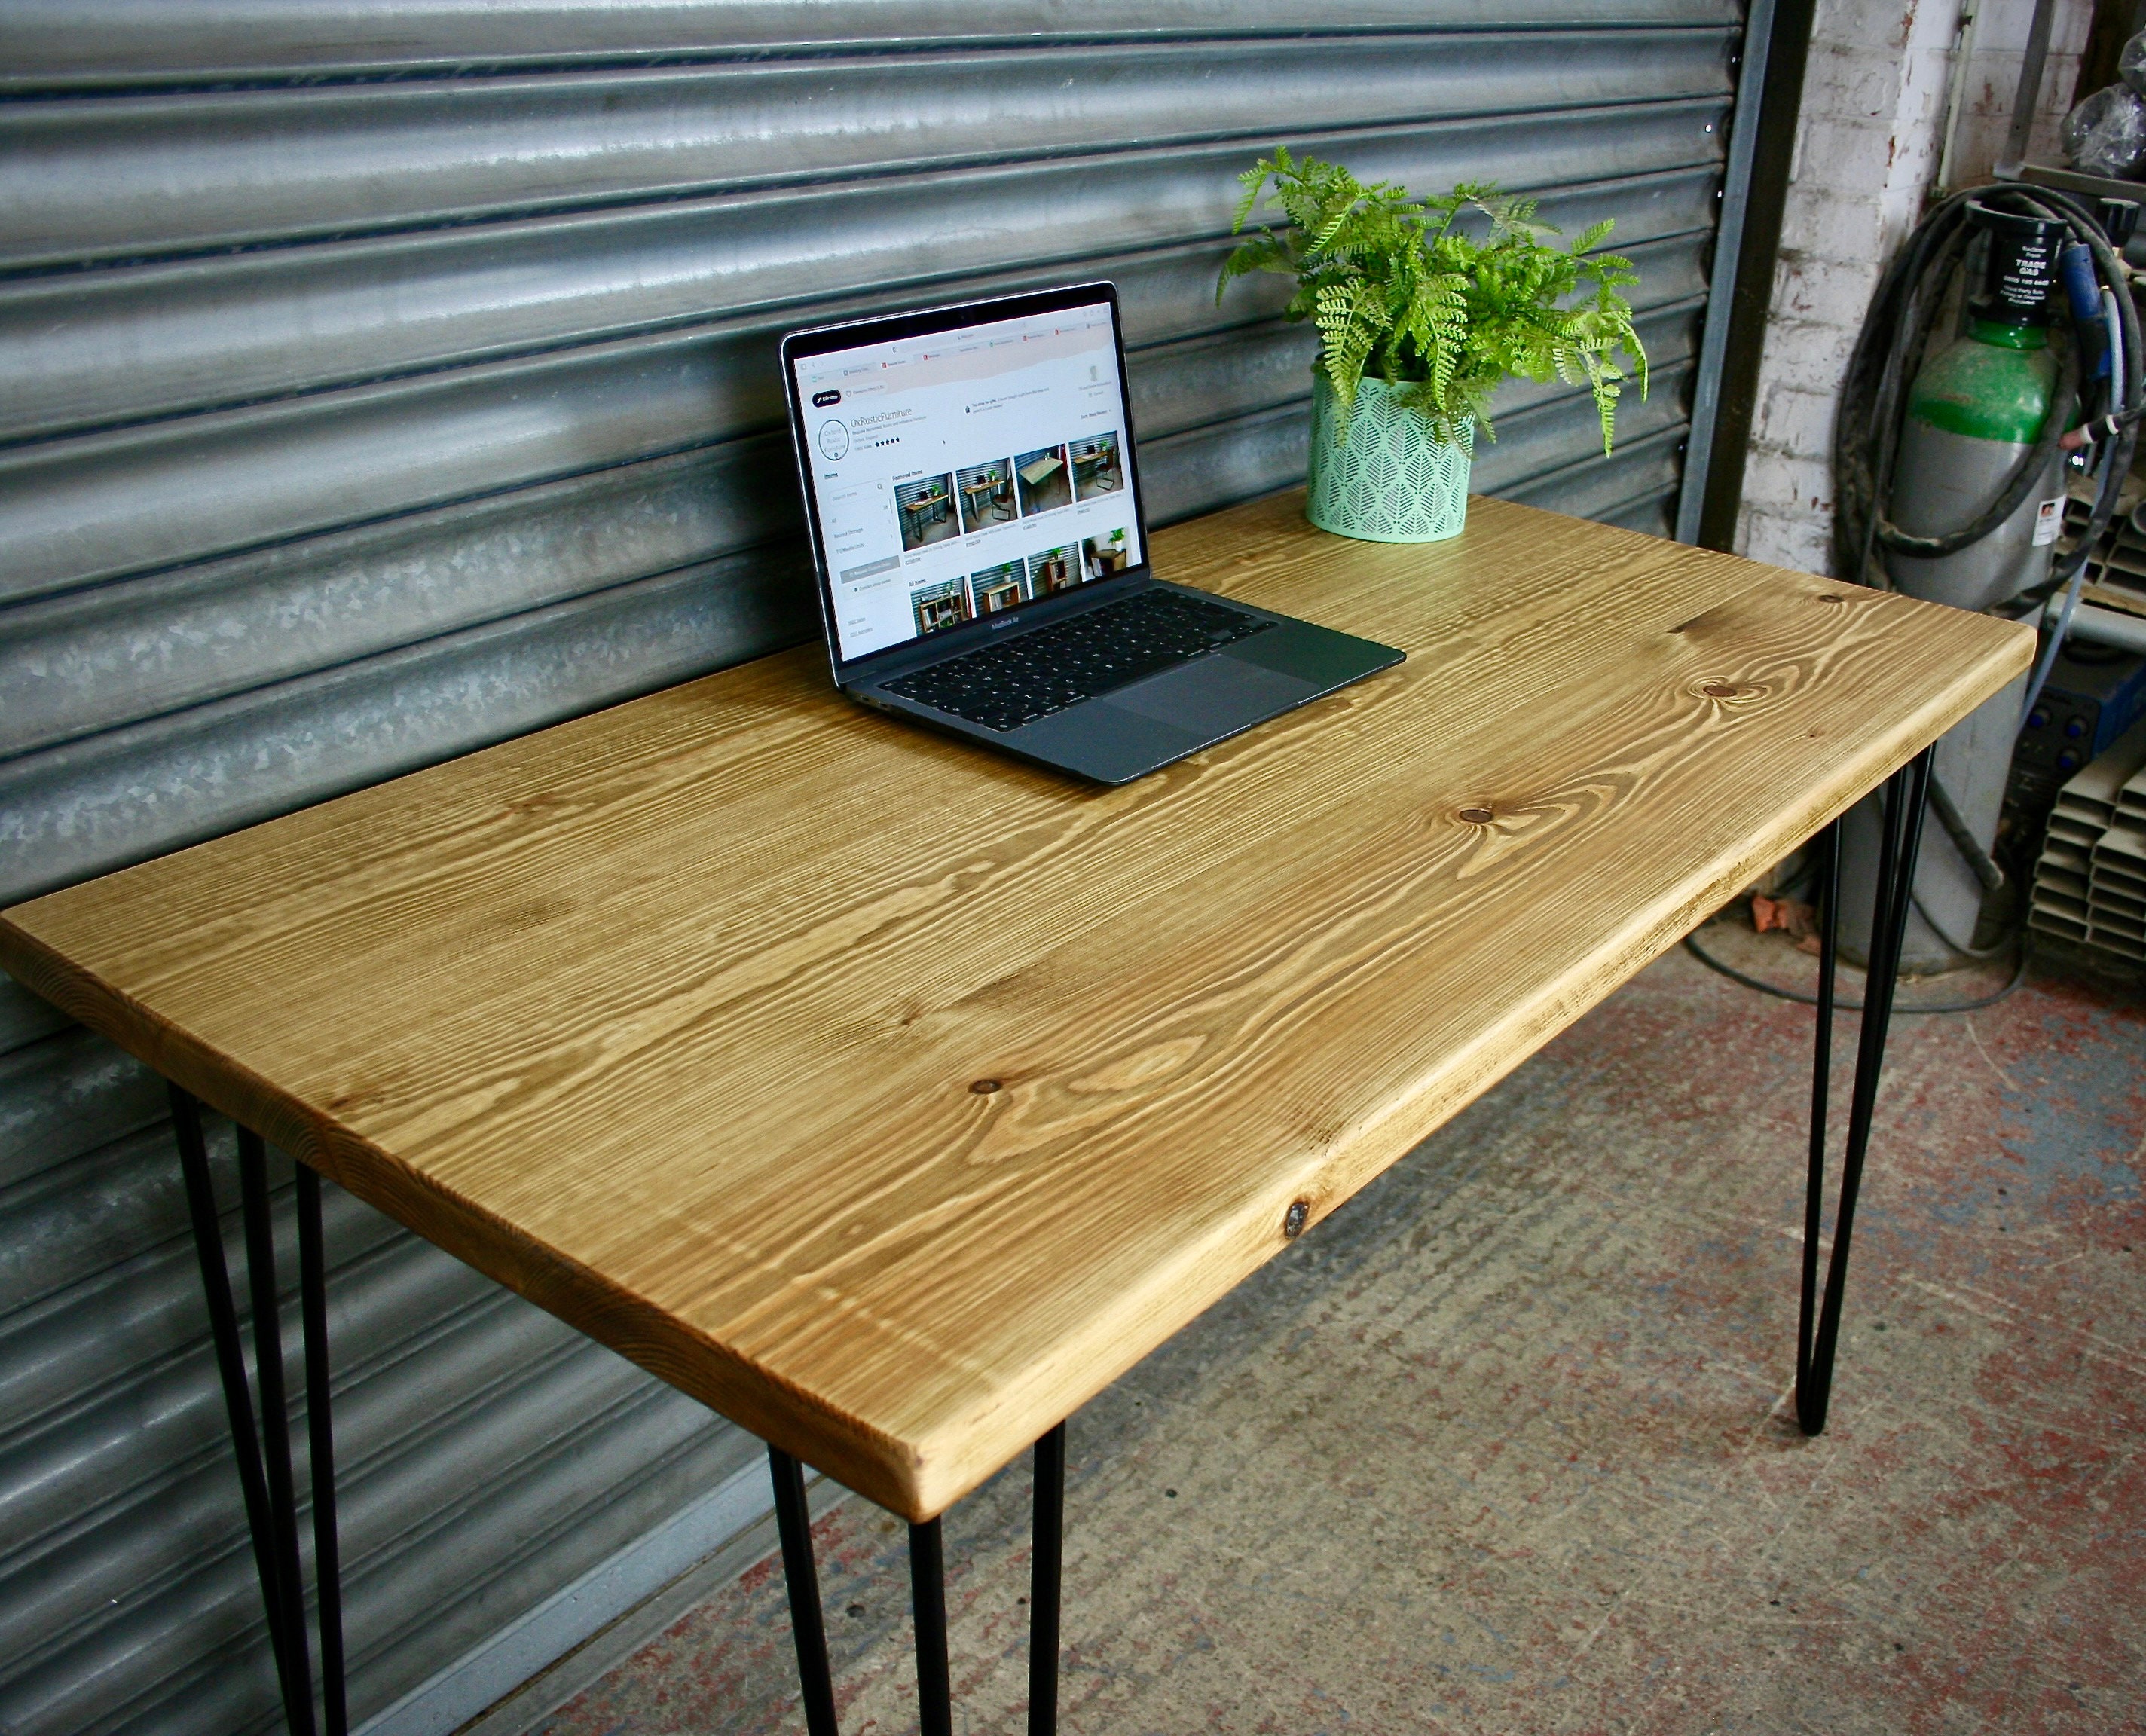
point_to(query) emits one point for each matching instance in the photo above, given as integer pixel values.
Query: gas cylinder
(1976, 407)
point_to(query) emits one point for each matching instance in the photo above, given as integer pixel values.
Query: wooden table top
(893, 1098)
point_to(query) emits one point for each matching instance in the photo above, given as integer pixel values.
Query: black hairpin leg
(231, 1366)
(1818, 1328)
(275, 1426)
(319, 1436)
(793, 1524)
(1046, 1577)
(927, 1587)
(271, 1514)
(927, 1599)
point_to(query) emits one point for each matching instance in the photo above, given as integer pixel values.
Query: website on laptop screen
(959, 474)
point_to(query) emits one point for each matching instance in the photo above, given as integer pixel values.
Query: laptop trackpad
(1213, 695)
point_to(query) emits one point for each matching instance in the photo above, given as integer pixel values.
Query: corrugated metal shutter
(384, 379)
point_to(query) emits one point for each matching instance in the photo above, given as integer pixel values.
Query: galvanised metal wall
(381, 379)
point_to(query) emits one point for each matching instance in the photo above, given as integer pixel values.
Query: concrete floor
(1503, 1447)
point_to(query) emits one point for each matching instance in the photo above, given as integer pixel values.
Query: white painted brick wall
(1993, 78)
(1867, 143)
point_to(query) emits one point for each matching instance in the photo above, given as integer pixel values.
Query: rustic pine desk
(891, 1098)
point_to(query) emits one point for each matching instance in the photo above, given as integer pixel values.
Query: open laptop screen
(959, 473)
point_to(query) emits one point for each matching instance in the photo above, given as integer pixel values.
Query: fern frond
(1605, 401)
(1324, 239)
(1592, 236)
(1265, 251)
(1351, 320)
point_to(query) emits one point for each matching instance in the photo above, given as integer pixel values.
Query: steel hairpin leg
(928, 1601)
(927, 1585)
(1045, 1576)
(793, 1524)
(319, 1436)
(275, 1425)
(272, 1516)
(1900, 832)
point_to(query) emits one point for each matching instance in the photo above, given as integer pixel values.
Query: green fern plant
(1400, 293)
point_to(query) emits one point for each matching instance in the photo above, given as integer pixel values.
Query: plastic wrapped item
(2106, 134)
(2131, 64)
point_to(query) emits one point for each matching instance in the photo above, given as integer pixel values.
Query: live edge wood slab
(892, 1098)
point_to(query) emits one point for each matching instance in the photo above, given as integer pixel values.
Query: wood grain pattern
(670, 1017)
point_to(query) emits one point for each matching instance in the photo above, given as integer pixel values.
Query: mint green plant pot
(1387, 480)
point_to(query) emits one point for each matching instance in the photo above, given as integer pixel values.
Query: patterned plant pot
(1388, 481)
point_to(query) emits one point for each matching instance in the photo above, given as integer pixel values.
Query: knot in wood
(1477, 816)
(1292, 1220)
(1721, 690)
(983, 1087)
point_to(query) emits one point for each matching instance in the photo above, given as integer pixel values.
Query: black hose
(1910, 298)
(1964, 948)
(2018, 975)
(1964, 840)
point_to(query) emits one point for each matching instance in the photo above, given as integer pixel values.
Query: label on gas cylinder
(2022, 275)
(2049, 520)
(2022, 267)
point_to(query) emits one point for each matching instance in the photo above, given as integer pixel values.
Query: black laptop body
(982, 551)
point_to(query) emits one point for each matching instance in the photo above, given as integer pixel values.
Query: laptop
(976, 519)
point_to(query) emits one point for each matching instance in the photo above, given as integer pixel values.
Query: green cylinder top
(1994, 384)
(2008, 336)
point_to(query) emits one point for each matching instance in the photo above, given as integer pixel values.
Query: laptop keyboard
(1019, 680)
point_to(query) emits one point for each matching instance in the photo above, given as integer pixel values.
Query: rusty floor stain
(1503, 1447)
